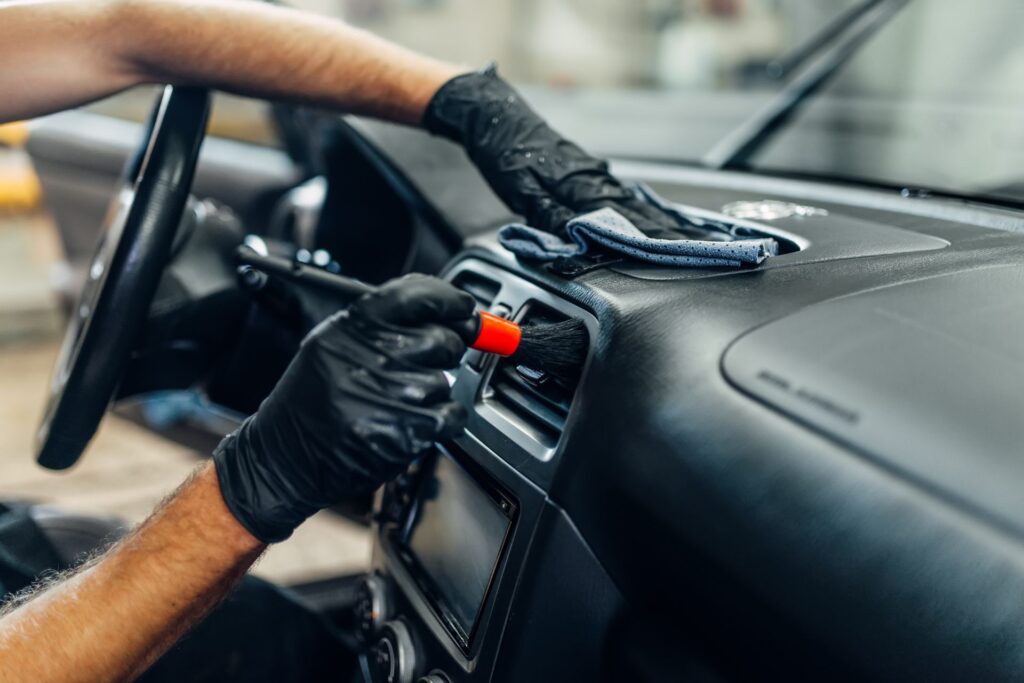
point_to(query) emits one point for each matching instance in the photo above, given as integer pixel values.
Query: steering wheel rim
(135, 245)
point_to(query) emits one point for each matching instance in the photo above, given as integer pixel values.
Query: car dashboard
(807, 468)
(454, 535)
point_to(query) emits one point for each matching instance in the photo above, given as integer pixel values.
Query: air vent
(483, 289)
(536, 402)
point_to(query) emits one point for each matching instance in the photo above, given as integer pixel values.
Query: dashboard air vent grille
(483, 289)
(538, 402)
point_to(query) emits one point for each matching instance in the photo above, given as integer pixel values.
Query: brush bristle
(557, 349)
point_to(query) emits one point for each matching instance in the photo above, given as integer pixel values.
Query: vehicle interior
(808, 468)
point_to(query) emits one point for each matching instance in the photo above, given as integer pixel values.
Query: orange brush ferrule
(497, 335)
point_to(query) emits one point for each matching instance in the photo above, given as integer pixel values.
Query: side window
(234, 118)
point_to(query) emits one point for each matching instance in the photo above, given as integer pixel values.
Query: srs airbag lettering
(810, 397)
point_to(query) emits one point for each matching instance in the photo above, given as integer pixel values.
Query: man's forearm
(115, 617)
(58, 54)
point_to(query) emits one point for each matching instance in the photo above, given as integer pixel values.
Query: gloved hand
(363, 398)
(536, 172)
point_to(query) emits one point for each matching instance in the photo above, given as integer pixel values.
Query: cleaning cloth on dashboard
(729, 244)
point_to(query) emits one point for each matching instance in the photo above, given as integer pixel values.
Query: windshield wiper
(782, 68)
(736, 148)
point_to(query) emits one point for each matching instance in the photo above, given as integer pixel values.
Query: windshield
(935, 99)
(932, 99)
(637, 78)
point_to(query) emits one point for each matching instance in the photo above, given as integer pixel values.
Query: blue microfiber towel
(720, 225)
(608, 229)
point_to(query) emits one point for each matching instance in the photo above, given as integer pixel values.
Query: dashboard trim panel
(522, 448)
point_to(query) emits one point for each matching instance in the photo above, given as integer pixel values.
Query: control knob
(435, 677)
(393, 658)
(372, 608)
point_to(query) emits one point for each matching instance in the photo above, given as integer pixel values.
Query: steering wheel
(134, 247)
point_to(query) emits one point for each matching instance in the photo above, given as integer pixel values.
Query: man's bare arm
(57, 54)
(115, 617)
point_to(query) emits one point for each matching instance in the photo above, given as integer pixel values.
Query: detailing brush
(557, 349)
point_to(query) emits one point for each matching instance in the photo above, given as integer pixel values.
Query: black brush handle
(345, 288)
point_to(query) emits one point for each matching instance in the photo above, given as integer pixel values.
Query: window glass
(644, 78)
(649, 43)
(933, 100)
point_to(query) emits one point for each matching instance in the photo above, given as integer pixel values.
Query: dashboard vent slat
(483, 289)
(529, 401)
(537, 402)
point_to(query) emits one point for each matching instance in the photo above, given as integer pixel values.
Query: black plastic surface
(755, 532)
(927, 377)
(562, 622)
(771, 547)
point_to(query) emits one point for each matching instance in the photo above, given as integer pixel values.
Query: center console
(471, 557)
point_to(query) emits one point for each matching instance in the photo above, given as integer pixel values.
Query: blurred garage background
(676, 50)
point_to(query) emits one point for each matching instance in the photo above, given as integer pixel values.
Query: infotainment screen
(455, 537)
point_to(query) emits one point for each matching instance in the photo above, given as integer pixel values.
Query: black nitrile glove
(536, 172)
(363, 398)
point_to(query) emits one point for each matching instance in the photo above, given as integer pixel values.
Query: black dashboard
(806, 469)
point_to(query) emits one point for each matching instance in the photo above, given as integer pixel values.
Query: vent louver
(515, 411)
(538, 403)
(483, 289)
